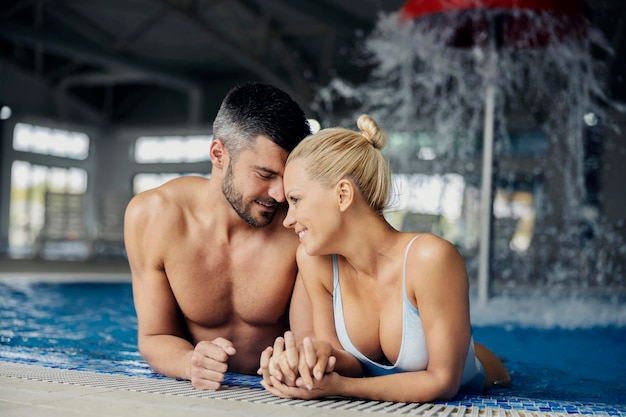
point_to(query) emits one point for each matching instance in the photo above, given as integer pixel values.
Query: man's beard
(243, 208)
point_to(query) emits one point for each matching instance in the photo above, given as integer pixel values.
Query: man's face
(253, 184)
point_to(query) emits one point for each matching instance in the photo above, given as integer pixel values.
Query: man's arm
(161, 335)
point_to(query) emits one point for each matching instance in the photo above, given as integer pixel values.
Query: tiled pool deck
(27, 390)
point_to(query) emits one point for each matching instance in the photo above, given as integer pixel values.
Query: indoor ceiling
(155, 62)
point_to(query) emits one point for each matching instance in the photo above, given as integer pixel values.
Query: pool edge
(171, 394)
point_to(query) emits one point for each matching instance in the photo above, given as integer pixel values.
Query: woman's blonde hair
(336, 153)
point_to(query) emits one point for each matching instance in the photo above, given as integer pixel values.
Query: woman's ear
(345, 193)
(217, 153)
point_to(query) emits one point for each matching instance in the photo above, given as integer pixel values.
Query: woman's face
(313, 210)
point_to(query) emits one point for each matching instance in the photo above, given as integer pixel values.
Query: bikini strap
(406, 255)
(335, 270)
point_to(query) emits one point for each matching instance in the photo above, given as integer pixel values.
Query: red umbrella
(498, 24)
(515, 28)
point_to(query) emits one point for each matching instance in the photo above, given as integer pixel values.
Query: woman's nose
(289, 219)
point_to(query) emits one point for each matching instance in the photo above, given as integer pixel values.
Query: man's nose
(277, 192)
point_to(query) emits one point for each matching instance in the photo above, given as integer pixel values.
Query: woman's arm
(300, 311)
(437, 284)
(417, 386)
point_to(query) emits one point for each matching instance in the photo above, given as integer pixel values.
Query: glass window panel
(172, 149)
(29, 184)
(47, 141)
(146, 181)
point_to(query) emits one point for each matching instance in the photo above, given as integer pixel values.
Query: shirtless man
(213, 268)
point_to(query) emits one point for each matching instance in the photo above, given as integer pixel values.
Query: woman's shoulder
(433, 259)
(429, 246)
(319, 267)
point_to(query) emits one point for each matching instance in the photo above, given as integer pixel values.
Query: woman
(389, 305)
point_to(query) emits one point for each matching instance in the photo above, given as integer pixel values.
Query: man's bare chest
(215, 291)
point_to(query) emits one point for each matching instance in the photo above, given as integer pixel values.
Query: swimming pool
(558, 350)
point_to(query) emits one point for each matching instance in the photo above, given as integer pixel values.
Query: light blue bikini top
(413, 355)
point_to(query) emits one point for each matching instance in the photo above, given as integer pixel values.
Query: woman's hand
(280, 362)
(315, 360)
(324, 387)
(291, 365)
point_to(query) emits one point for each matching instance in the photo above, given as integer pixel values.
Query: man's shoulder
(166, 201)
(181, 186)
(149, 201)
(173, 192)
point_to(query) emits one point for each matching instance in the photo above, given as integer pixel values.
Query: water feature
(431, 87)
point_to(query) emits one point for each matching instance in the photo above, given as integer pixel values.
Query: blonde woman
(387, 305)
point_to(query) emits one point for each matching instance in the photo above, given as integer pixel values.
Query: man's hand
(209, 363)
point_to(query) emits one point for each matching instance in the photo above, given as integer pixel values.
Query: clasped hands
(302, 371)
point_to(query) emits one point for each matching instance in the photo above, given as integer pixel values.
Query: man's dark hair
(256, 109)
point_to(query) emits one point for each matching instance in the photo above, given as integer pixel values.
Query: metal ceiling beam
(287, 53)
(77, 23)
(107, 60)
(98, 57)
(111, 80)
(63, 108)
(91, 30)
(299, 89)
(145, 24)
(327, 15)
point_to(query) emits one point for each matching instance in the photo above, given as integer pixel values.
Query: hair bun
(370, 131)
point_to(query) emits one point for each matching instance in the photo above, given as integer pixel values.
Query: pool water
(92, 326)
(71, 326)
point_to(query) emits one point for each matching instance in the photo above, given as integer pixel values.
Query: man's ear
(217, 153)
(345, 193)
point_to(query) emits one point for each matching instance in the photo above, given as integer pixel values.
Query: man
(213, 268)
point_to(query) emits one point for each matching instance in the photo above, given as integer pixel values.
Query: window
(146, 181)
(31, 183)
(47, 141)
(429, 194)
(427, 203)
(179, 150)
(172, 149)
